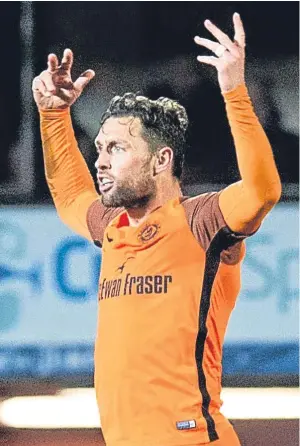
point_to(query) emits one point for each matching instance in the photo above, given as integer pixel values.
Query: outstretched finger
(213, 46)
(67, 60)
(52, 63)
(209, 60)
(239, 33)
(83, 80)
(221, 37)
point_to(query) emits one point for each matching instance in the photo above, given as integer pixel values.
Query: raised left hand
(230, 60)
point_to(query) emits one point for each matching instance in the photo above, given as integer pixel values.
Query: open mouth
(105, 184)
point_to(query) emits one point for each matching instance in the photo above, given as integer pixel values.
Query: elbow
(62, 215)
(263, 202)
(64, 212)
(273, 194)
(62, 208)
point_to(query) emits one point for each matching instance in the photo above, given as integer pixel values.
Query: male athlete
(171, 264)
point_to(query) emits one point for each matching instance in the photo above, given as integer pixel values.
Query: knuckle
(35, 83)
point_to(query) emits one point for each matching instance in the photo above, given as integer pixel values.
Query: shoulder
(99, 217)
(201, 206)
(208, 226)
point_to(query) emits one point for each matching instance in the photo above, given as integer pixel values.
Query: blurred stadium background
(48, 275)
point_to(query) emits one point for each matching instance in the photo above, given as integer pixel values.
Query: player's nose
(103, 161)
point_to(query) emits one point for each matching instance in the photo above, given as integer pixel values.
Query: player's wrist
(54, 113)
(241, 91)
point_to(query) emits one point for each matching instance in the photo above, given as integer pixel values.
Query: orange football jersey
(166, 292)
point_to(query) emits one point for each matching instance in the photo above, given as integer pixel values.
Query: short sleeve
(206, 221)
(98, 218)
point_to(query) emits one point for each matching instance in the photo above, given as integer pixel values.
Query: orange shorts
(226, 438)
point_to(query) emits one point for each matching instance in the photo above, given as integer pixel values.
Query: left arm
(244, 204)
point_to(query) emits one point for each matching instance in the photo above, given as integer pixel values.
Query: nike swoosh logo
(109, 239)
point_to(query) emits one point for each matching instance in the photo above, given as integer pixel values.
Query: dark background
(148, 47)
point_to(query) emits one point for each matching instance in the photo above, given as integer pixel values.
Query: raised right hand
(54, 88)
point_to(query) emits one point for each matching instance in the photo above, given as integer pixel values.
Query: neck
(167, 190)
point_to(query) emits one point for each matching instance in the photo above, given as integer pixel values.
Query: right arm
(69, 180)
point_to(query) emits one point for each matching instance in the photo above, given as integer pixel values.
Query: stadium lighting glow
(77, 408)
(261, 403)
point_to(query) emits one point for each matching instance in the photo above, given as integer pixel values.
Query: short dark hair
(164, 122)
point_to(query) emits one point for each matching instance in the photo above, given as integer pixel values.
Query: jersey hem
(221, 427)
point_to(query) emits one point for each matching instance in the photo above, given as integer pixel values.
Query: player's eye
(116, 149)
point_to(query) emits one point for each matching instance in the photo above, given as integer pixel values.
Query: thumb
(83, 80)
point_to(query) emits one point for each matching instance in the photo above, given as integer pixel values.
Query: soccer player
(171, 264)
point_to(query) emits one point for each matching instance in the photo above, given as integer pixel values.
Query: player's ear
(163, 160)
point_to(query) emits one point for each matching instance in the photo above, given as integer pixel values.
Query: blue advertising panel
(48, 298)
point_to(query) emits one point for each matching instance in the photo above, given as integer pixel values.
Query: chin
(112, 199)
(109, 200)
(125, 200)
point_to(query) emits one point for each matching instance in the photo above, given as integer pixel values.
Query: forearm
(256, 163)
(245, 204)
(69, 180)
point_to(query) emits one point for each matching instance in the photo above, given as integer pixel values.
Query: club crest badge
(148, 232)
